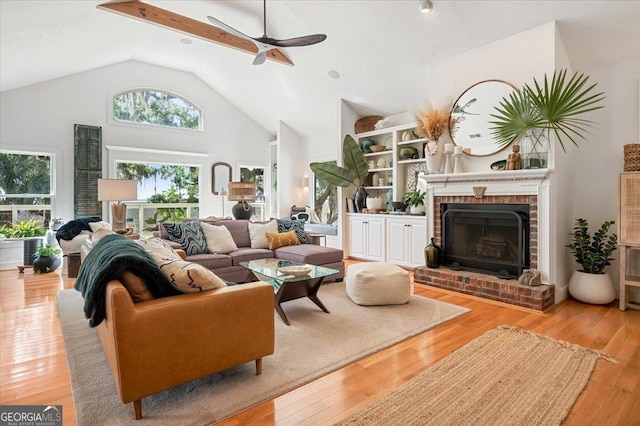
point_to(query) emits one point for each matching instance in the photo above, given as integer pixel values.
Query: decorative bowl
(296, 271)
(374, 203)
(377, 148)
(398, 206)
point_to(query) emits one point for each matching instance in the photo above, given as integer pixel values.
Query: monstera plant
(354, 172)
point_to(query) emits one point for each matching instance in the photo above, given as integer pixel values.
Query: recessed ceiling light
(425, 6)
(333, 74)
(185, 41)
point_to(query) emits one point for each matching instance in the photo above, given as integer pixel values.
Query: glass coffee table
(287, 286)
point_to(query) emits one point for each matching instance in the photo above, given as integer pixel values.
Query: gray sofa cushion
(245, 254)
(308, 253)
(239, 231)
(211, 261)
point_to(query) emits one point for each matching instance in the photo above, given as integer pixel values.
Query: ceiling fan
(266, 43)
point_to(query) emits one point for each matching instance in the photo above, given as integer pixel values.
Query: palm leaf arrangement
(592, 253)
(552, 107)
(433, 122)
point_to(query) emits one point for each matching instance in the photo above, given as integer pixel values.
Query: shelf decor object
(118, 190)
(243, 193)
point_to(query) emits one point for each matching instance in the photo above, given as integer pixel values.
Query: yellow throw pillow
(282, 239)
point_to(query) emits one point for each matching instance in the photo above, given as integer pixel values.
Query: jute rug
(505, 377)
(315, 344)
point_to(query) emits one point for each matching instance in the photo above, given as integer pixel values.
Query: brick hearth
(482, 285)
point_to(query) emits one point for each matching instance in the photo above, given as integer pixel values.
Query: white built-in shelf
(384, 169)
(378, 187)
(411, 141)
(416, 160)
(373, 154)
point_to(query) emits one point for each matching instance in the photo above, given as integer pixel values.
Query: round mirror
(220, 177)
(472, 113)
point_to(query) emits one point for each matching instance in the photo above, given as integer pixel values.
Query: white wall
(600, 161)
(41, 118)
(292, 153)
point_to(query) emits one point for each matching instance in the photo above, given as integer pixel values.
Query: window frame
(134, 124)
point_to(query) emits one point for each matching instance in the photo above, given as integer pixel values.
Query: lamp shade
(242, 191)
(117, 190)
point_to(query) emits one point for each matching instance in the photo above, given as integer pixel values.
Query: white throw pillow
(96, 226)
(188, 277)
(218, 237)
(258, 233)
(158, 247)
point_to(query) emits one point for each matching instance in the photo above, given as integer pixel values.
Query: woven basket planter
(632, 157)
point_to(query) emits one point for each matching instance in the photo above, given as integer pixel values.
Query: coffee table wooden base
(297, 290)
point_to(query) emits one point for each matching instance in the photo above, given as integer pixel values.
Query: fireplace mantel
(512, 182)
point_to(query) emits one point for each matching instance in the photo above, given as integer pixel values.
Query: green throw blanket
(107, 260)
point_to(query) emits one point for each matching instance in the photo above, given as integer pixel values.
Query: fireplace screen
(491, 238)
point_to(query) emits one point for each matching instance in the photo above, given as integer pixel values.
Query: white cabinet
(406, 239)
(367, 237)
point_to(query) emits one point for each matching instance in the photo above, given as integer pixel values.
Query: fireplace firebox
(489, 238)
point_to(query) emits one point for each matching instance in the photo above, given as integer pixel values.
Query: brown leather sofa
(148, 351)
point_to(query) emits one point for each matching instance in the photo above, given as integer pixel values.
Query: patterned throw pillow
(159, 247)
(188, 277)
(285, 225)
(189, 235)
(257, 232)
(277, 240)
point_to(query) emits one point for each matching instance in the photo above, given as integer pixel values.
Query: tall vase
(534, 148)
(360, 198)
(433, 255)
(433, 153)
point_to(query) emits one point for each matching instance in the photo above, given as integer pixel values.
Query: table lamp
(242, 192)
(118, 190)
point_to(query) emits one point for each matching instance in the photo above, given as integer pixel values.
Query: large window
(25, 187)
(326, 200)
(157, 108)
(166, 193)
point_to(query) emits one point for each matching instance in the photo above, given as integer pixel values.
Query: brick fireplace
(501, 189)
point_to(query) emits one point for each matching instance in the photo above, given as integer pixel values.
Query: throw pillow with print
(188, 277)
(285, 225)
(189, 235)
(282, 239)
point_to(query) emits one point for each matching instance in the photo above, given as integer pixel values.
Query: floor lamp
(242, 192)
(117, 190)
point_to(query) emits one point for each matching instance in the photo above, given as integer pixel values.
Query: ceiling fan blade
(294, 42)
(260, 57)
(228, 29)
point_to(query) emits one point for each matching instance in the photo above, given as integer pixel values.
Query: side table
(627, 280)
(316, 237)
(73, 264)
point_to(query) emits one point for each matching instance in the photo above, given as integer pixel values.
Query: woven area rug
(315, 344)
(505, 377)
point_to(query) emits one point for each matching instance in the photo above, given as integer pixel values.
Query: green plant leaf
(333, 174)
(354, 159)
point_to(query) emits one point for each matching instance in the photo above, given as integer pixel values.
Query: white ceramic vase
(592, 288)
(434, 156)
(416, 209)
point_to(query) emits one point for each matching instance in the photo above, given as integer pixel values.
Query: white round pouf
(378, 283)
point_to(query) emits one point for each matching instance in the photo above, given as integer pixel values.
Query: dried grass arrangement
(433, 122)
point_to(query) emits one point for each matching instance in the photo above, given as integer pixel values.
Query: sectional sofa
(227, 265)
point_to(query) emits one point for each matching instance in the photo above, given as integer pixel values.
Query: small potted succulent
(592, 284)
(46, 259)
(415, 201)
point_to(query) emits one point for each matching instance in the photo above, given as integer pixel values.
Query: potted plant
(30, 231)
(56, 223)
(354, 172)
(592, 284)
(415, 201)
(530, 115)
(46, 259)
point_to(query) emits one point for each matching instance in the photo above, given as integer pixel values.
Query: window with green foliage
(157, 108)
(25, 187)
(162, 184)
(326, 200)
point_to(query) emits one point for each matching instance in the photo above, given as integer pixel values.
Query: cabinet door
(397, 231)
(417, 242)
(375, 239)
(357, 238)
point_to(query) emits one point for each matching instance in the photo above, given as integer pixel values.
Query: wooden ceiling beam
(164, 18)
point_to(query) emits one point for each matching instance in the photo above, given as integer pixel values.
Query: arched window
(157, 108)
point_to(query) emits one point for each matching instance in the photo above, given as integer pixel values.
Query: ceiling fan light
(425, 6)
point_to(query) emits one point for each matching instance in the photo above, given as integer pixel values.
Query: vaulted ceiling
(381, 48)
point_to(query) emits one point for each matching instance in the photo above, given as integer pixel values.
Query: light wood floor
(34, 368)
